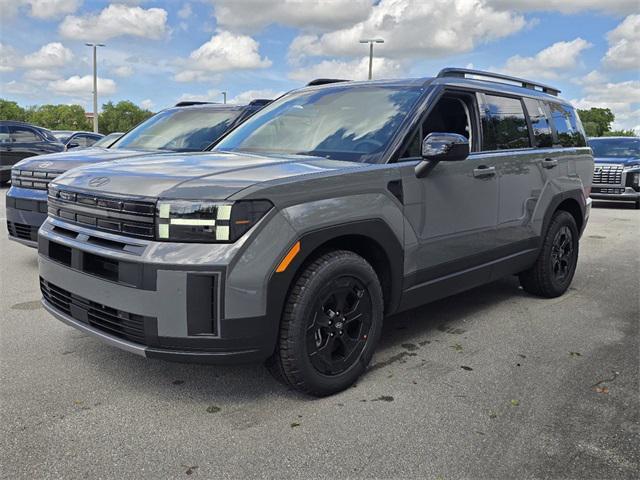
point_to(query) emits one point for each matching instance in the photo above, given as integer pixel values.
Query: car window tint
(504, 125)
(24, 135)
(541, 125)
(568, 127)
(4, 134)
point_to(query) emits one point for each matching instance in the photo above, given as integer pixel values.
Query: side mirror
(441, 147)
(72, 145)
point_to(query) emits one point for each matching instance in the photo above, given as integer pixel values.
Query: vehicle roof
(75, 131)
(621, 137)
(460, 82)
(20, 122)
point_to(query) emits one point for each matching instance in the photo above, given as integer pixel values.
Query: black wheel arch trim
(575, 194)
(377, 230)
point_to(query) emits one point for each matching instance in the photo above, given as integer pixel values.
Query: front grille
(611, 191)
(608, 174)
(117, 323)
(35, 179)
(22, 231)
(130, 217)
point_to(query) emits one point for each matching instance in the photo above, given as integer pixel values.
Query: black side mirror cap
(442, 147)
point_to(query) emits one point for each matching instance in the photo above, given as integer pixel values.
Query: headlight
(207, 222)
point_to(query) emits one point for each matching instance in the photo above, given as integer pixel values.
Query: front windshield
(62, 136)
(344, 122)
(616, 147)
(180, 130)
(107, 140)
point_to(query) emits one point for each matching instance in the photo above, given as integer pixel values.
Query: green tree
(59, 117)
(620, 133)
(11, 111)
(596, 121)
(121, 117)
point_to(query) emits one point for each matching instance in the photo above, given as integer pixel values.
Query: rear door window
(24, 135)
(4, 134)
(569, 131)
(540, 122)
(504, 125)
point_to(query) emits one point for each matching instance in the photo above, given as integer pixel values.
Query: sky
(161, 52)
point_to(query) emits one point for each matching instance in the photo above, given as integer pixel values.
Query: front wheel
(331, 323)
(553, 271)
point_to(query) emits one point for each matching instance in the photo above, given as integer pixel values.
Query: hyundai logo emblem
(45, 164)
(99, 181)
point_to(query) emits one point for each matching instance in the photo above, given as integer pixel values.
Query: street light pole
(95, 82)
(371, 41)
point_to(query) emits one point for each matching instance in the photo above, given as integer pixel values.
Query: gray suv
(330, 208)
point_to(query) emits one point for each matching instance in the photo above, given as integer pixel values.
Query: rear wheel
(330, 326)
(553, 271)
(638, 204)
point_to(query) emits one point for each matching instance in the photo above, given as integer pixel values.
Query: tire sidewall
(351, 265)
(561, 220)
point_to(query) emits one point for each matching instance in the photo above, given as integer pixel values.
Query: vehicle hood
(63, 161)
(627, 162)
(190, 176)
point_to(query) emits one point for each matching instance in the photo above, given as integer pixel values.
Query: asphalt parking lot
(492, 383)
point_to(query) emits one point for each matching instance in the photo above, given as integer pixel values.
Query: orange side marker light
(288, 258)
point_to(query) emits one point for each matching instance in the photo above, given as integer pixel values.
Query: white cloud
(46, 9)
(147, 104)
(123, 71)
(415, 28)
(50, 55)
(8, 58)
(349, 70)
(549, 62)
(40, 75)
(568, 6)
(116, 20)
(624, 45)
(246, 15)
(623, 98)
(42, 9)
(224, 51)
(185, 11)
(82, 86)
(249, 95)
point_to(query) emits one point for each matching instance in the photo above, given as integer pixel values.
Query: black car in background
(20, 140)
(186, 127)
(76, 139)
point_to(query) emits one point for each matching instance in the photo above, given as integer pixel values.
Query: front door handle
(484, 171)
(549, 163)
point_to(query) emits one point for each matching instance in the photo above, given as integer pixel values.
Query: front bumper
(26, 211)
(181, 302)
(618, 193)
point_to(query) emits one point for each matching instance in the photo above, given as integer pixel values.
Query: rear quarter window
(504, 125)
(540, 122)
(569, 131)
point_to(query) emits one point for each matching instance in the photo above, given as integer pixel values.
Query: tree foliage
(596, 121)
(11, 111)
(121, 117)
(118, 117)
(59, 117)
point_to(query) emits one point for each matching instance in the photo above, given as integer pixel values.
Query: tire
(555, 266)
(638, 204)
(321, 350)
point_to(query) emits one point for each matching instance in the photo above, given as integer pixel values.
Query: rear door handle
(484, 171)
(549, 163)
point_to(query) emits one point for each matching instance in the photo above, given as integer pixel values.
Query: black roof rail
(260, 102)
(188, 103)
(464, 72)
(325, 81)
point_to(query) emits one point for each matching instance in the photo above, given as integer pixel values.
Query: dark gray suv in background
(187, 127)
(332, 207)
